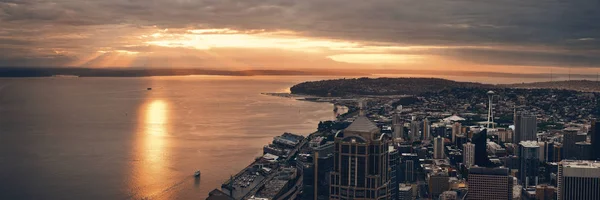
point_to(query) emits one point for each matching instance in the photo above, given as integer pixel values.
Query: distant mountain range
(415, 86)
(142, 72)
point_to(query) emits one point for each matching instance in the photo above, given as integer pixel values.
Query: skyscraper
(490, 184)
(397, 126)
(490, 117)
(394, 159)
(525, 127)
(361, 167)
(578, 179)
(595, 139)
(529, 163)
(481, 156)
(570, 138)
(584, 150)
(456, 130)
(415, 127)
(426, 129)
(469, 154)
(408, 168)
(398, 131)
(438, 148)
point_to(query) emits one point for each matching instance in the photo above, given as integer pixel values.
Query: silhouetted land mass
(380, 86)
(417, 86)
(142, 72)
(579, 85)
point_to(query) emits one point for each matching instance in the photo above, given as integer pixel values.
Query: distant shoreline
(362, 87)
(15, 72)
(22, 72)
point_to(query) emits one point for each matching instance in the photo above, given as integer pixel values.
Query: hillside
(379, 86)
(578, 85)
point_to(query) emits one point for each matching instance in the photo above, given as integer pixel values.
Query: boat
(149, 88)
(197, 174)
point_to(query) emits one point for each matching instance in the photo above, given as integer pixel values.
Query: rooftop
(218, 195)
(489, 171)
(404, 188)
(529, 144)
(362, 125)
(454, 118)
(580, 163)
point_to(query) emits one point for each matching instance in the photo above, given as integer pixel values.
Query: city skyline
(300, 99)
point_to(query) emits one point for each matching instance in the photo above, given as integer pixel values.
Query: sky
(533, 36)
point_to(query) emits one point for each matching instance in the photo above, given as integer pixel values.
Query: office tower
(481, 156)
(584, 150)
(510, 162)
(525, 127)
(415, 127)
(547, 150)
(490, 117)
(529, 163)
(570, 138)
(456, 130)
(578, 179)
(315, 169)
(469, 154)
(408, 168)
(489, 184)
(438, 148)
(426, 129)
(542, 151)
(438, 183)
(398, 131)
(396, 119)
(595, 139)
(395, 166)
(405, 192)
(397, 126)
(361, 167)
(557, 153)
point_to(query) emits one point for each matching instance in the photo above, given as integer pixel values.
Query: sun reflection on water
(151, 166)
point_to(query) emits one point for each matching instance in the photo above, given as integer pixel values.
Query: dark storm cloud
(570, 28)
(523, 58)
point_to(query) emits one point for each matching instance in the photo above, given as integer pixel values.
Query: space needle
(490, 118)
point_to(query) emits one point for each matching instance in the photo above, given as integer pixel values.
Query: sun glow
(151, 146)
(377, 58)
(226, 38)
(228, 48)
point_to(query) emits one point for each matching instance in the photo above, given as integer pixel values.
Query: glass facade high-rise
(529, 163)
(595, 139)
(361, 163)
(525, 127)
(481, 155)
